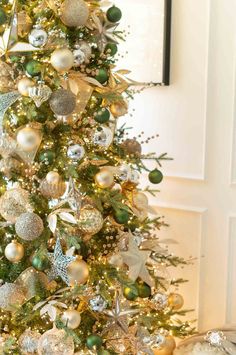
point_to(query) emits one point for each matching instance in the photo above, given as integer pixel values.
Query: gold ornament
(71, 318)
(104, 179)
(14, 251)
(9, 165)
(24, 85)
(13, 203)
(119, 108)
(78, 272)
(39, 94)
(175, 301)
(166, 348)
(28, 139)
(52, 189)
(6, 77)
(62, 60)
(74, 13)
(90, 220)
(29, 226)
(132, 147)
(24, 23)
(11, 297)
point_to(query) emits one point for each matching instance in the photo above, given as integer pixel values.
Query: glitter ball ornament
(62, 102)
(28, 342)
(74, 13)
(98, 303)
(71, 318)
(11, 296)
(82, 53)
(103, 136)
(29, 226)
(24, 85)
(38, 37)
(39, 93)
(132, 147)
(78, 272)
(75, 152)
(33, 67)
(114, 14)
(175, 301)
(104, 178)
(13, 203)
(28, 138)
(33, 282)
(160, 300)
(55, 342)
(90, 220)
(62, 60)
(14, 251)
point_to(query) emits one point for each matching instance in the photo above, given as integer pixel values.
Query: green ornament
(102, 76)
(103, 352)
(114, 14)
(111, 49)
(47, 156)
(155, 176)
(144, 290)
(102, 116)
(3, 16)
(94, 341)
(40, 262)
(130, 293)
(33, 67)
(121, 216)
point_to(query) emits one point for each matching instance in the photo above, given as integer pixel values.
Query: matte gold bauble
(78, 272)
(90, 220)
(24, 85)
(74, 13)
(167, 348)
(119, 108)
(71, 318)
(14, 251)
(62, 60)
(104, 178)
(175, 301)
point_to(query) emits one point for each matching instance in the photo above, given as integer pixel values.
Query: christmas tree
(80, 255)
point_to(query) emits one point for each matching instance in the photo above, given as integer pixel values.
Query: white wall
(195, 118)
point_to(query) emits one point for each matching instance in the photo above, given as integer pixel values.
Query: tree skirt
(198, 349)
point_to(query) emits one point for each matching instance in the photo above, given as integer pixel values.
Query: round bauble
(82, 53)
(34, 282)
(140, 200)
(29, 226)
(62, 60)
(98, 303)
(55, 342)
(121, 216)
(102, 116)
(40, 93)
(62, 102)
(132, 147)
(11, 297)
(52, 189)
(33, 68)
(103, 352)
(47, 156)
(103, 136)
(14, 251)
(114, 14)
(24, 85)
(28, 139)
(53, 177)
(75, 152)
(160, 300)
(119, 108)
(144, 290)
(104, 178)
(38, 37)
(78, 272)
(40, 262)
(175, 301)
(111, 49)
(167, 348)
(155, 176)
(130, 293)
(28, 342)
(13, 203)
(10, 165)
(3, 16)
(90, 220)
(102, 76)
(71, 318)
(94, 341)
(74, 13)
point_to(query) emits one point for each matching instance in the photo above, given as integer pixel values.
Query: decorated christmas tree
(81, 264)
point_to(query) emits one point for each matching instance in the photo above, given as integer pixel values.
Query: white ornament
(75, 152)
(103, 136)
(28, 139)
(38, 37)
(71, 318)
(14, 251)
(82, 53)
(62, 59)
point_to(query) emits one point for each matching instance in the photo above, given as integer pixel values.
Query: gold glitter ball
(90, 220)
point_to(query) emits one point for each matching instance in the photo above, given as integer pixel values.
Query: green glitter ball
(114, 14)
(47, 156)
(155, 176)
(33, 67)
(102, 76)
(94, 341)
(3, 16)
(121, 216)
(102, 116)
(111, 49)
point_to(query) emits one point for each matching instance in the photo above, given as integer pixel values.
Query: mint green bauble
(102, 76)
(47, 156)
(33, 67)
(102, 116)
(111, 49)
(121, 216)
(3, 16)
(40, 262)
(155, 176)
(114, 14)
(94, 341)
(144, 290)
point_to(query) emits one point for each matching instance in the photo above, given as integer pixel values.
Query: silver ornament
(40, 94)
(28, 342)
(13, 203)
(82, 53)
(98, 303)
(62, 102)
(11, 297)
(75, 152)
(55, 342)
(38, 37)
(79, 57)
(29, 226)
(6, 100)
(103, 136)
(160, 300)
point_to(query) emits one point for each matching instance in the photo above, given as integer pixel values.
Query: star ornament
(136, 260)
(59, 263)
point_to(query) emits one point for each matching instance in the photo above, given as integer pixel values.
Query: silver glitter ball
(29, 226)
(38, 37)
(28, 342)
(11, 297)
(98, 304)
(75, 152)
(62, 102)
(103, 136)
